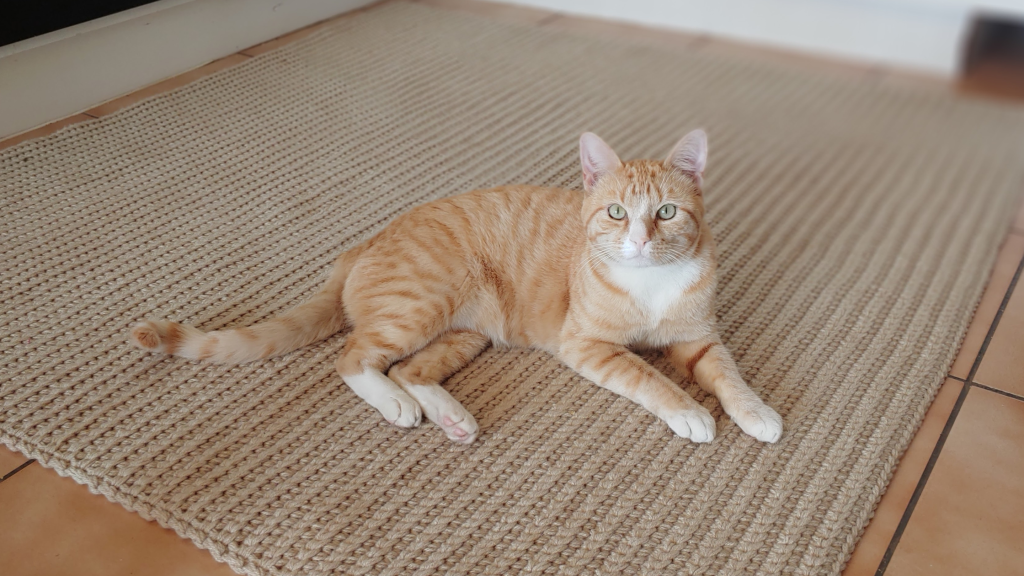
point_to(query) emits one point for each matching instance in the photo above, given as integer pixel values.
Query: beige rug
(857, 225)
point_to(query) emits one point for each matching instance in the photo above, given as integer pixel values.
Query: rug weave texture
(857, 223)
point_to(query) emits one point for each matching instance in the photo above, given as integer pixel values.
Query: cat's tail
(320, 317)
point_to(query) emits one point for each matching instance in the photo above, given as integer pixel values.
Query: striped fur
(522, 266)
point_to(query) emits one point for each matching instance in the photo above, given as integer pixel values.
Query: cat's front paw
(696, 424)
(759, 420)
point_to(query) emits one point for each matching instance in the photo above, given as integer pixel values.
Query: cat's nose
(640, 244)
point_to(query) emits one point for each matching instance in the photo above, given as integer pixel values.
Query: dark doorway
(23, 19)
(993, 61)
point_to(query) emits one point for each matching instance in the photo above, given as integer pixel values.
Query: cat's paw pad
(462, 431)
(760, 421)
(402, 411)
(146, 336)
(697, 424)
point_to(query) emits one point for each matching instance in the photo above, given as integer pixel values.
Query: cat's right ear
(597, 159)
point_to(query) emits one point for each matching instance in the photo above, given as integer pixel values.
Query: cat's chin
(637, 262)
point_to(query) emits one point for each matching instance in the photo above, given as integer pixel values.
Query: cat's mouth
(638, 261)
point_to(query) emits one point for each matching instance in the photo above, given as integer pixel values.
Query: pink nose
(640, 244)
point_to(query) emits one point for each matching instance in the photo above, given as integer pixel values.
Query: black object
(22, 19)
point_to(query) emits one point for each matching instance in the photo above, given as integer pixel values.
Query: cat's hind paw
(441, 409)
(463, 432)
(697, 424)
(408, 413)
(393, 403)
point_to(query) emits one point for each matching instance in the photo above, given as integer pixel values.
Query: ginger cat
(630, 262)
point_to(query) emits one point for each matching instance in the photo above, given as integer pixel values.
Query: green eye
(617, 212)
(667, 211)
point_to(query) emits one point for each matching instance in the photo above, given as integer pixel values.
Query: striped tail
(320, 317)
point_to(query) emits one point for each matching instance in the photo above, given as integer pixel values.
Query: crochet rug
(857, 223)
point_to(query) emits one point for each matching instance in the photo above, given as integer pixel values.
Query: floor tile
(1002, 366)
(495, 10)
(53, 525)
(872, 545)
(43, 130)
(9, 460)
(1010, 255)
(621, 31)
(970, 517)
(169, 84)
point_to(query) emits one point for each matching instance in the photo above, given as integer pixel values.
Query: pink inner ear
(691, 154)
(596, 158)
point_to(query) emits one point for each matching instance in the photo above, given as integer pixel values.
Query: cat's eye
(617, 212)
(667, 211)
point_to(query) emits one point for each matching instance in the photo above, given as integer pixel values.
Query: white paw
(760, 421)
(388, 398)
(463, 431)
(405, 412)
(695, 424)
(441, 409)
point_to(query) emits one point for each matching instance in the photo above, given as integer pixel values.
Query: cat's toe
(464, 431)
(406, 412)
(441, 409)
(761, 422)
(697, 424)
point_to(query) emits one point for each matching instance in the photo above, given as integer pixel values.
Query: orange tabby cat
(583, 275)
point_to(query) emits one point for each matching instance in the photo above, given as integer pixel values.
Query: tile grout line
(967, 385)
(998, 391)
(18, 469)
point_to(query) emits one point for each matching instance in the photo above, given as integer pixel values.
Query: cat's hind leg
(422, 373)
(366, 355)
(400, 296)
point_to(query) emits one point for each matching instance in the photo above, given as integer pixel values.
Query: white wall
(924, 35)
(62, 73)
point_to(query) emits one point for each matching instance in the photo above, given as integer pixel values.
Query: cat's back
(518, 220)
(506, 252)
(515, 204)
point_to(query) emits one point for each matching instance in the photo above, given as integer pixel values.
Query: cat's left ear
(690, 155)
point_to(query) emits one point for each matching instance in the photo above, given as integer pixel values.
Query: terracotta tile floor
(954, 505)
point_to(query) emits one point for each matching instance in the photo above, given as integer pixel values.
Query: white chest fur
(656, 288)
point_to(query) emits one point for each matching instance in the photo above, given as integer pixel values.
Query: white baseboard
(923, 35)
(65, 72)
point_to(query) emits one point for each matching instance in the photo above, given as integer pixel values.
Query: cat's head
(644, 212)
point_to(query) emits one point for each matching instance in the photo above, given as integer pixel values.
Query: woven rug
(857, 224)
